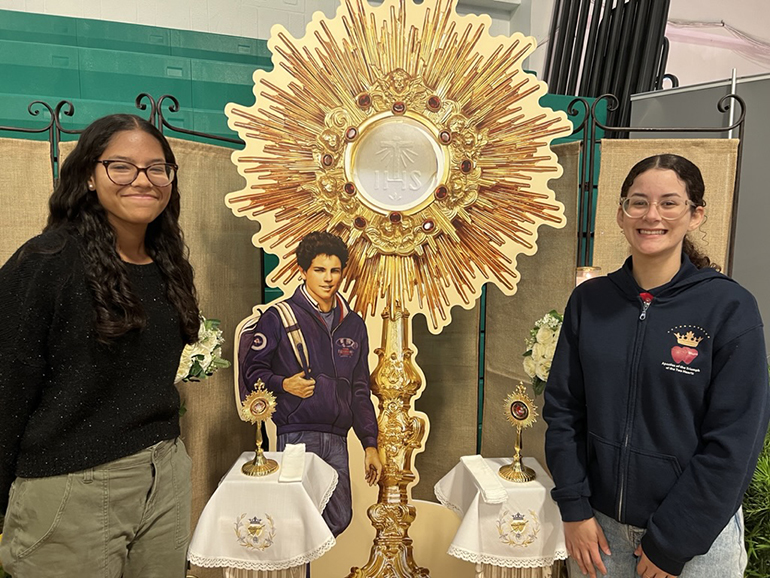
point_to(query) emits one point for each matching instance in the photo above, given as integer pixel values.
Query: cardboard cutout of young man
(320, 402)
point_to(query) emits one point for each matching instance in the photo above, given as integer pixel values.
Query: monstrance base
(259, 467)
(516, 472)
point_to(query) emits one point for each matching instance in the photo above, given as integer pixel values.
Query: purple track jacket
(337, 360)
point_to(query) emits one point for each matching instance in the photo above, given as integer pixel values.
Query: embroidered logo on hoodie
(346, 347)
(686, 351)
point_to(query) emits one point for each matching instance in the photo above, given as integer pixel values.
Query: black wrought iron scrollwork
(68, 111)
(174, 107)
(34, 109)
(142, 106)
(572, 111)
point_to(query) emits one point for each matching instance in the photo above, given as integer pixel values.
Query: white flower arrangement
(541, 346)
(201, 359)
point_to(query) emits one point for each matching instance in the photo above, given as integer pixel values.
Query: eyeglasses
(670, 208)
(125, 173)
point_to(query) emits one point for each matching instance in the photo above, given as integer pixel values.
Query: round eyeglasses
(124, 173)
(670, 208)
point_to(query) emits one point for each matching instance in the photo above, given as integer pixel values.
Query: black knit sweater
(67, 402)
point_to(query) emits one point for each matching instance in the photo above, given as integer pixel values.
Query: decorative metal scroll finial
(521, 411)
(258, 407)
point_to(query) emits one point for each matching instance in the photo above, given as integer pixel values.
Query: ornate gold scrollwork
(395, 381)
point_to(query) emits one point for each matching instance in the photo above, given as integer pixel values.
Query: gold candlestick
(258, 407)
(521, 411)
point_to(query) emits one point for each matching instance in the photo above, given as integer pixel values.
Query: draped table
(518, 535)
(263, 527)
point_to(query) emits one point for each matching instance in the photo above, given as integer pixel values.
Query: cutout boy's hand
(372, 465)
(298, 385)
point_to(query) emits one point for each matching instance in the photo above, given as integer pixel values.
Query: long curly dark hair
(689, 173)
(77, 209)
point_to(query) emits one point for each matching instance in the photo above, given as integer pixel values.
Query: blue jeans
(332, 449)
(725, 559)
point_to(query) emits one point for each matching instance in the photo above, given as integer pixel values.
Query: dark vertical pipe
(557, 61)
(620, 68)
(577, 51)
(569, 39)
(551, 40)
(630, 74)
(738, 163)
(600, 59)
(588, 60)
(662, 64)
(612, 48)
(651, 51)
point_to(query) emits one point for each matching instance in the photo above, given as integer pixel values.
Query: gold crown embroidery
(688, 339)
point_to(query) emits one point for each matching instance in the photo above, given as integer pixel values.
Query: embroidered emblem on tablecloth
(257, 534)
(517, 530)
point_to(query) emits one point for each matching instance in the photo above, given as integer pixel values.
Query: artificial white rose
(550, 349)
(544, 335)
(208, 341)
(529, 366)
(543, 369)
(198, 349)
(185, 362)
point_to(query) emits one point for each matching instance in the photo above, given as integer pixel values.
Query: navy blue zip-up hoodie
(338, 363)
(657, 404)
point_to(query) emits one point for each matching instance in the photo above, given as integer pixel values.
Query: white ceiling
(749, 16)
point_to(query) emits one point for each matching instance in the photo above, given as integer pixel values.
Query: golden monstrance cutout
(521, 412)
(416, 136)
(258, 407)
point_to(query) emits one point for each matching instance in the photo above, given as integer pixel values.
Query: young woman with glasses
(95, 312)
(657, 400)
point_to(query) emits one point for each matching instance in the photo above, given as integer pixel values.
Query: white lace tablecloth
(523, 532)
(259, 523)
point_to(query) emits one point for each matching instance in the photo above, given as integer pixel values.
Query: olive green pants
(129, 518)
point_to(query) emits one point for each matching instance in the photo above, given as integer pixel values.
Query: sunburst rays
(466, 90)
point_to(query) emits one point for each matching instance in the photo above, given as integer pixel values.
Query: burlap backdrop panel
(717, 160)
(228, 277)
(547, 279)
(450, 362)
(26, 182)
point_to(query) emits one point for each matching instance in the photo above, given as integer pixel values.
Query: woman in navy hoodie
(657, 400)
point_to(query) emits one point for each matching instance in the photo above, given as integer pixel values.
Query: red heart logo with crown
(690, 354)
(686, 354)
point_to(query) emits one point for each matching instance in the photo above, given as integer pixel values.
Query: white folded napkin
(293, 463)
(492, 491)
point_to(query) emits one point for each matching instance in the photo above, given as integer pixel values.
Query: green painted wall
(102, 66)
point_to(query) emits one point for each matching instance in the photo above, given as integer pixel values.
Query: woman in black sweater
(94, 314)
